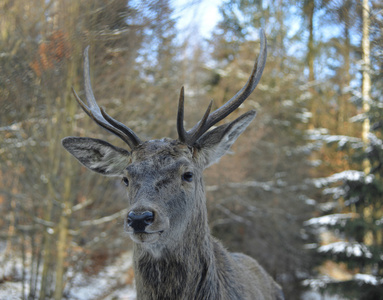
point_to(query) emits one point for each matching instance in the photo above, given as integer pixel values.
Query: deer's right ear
(215, 143)
(98, 155)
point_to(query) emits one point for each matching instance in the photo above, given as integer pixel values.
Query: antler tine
(90, 99)
(182, 134)
(99, 115)
(200, 126)
(93, 115)
(219, 114)
(126, 130)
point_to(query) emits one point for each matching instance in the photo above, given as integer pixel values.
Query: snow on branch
(350, 249)
(368, 279)
(348, 175)
(342, 140)
(324, 281)
(318, 283)
(329, 220)
(375, 141)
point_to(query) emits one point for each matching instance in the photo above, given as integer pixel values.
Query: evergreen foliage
(354, 215)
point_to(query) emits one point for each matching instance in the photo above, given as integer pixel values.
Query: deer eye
(125, 180)
(187, 176)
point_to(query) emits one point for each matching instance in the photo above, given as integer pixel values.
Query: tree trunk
(310, 46)
(309, 10)
(366, 80)
(67, 200)
(343, 124)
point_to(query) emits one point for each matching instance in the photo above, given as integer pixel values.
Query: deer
(174, 254)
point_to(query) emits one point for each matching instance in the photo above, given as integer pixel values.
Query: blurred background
(301, 191)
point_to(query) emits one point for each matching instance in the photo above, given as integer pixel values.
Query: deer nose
(139, 220)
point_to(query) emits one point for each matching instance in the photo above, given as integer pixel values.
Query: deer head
(163, 177)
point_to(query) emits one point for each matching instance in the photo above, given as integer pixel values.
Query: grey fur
(176, 257)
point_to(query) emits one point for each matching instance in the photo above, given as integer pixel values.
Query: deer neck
(182, 270)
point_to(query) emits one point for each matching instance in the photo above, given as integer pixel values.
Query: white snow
(342, 140)
(315, 295)
(348, 175)
(348, 248)
(317, 283)
(337, 192)
(375, 141)
(11, 290)
(369, 279)
(108, 284)
(329, 220)
(304, 117)
(358, 118)
(105, 281)
(327, 206)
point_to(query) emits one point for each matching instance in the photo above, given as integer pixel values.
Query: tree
(260, 209)
(59, 213)
(356, 211)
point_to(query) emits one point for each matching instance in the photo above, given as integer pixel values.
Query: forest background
(302, 190)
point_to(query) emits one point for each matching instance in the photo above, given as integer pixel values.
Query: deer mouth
(145, 237)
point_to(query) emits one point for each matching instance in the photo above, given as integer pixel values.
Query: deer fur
(175, 256)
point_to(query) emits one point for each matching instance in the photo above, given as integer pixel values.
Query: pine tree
(355, 214)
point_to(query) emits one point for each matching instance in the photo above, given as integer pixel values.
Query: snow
(351, 201)
(321, 283)
(105, 282)
(110, 283)
(368, 279)
(375, 141)
(314, 295)
(337, 192)
(304, 117)
(348, 248)
(10, 290)
(342, 140)
(329, 220)
(318, 283)
(348, 175)
(358, 118)
(327, 206)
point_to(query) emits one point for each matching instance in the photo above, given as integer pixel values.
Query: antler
(208, 120)
(99, 115)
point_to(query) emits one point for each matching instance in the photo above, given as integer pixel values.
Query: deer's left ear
(98, 155)
(215, 143)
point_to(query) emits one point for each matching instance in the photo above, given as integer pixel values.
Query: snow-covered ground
(113, 282)
(10, 291)
(110, 283)
(312, 295)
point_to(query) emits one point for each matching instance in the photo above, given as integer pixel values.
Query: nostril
(130, 218)
(138, 221)
(148, 217)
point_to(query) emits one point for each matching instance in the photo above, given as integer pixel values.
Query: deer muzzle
(138, 221)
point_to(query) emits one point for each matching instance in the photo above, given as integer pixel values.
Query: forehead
(160, 154)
